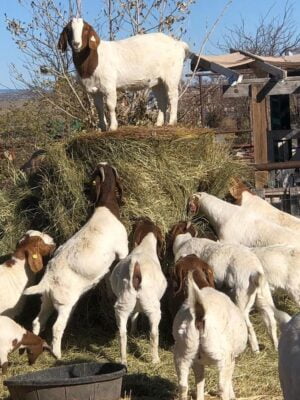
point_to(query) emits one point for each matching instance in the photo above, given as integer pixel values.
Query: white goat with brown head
(139, 284)
(81, 262)
(152, 61)
(20, 269)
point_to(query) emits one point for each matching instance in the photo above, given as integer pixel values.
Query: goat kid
(208, 329)
(152, 60)
(20, 270)
(239, 270)
(13, 337)
(81, 262)
(235, 224)
(139, 284)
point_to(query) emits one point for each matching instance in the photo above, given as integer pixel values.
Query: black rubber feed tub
(86, 381)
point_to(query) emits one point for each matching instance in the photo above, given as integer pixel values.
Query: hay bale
(159, 169)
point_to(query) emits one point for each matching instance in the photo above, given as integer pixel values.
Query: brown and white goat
(139, 284)
(20, 270)
(202, 273)
(152, 60)
(250, 201)
(81, 262)
(13, 337)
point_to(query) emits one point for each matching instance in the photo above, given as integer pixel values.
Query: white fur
(146, 299)
(14, 279)
(153, 60)
(266, 210)
(282, 268)
(9, 331)
(76, 267)
(236, 267)
(235, 224)
(219, 342)
(77, 26)
(289, 359)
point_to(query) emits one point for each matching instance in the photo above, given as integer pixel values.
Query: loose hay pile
(158, 169)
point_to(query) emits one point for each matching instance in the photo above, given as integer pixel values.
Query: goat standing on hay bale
(152, 60)
(208, 329)
(139, 284)
(20, 269)
(85, 258)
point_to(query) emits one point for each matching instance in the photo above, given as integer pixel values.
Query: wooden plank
(270, 88)
(263, 65)
(259, 129)
(216, 68)
(286, 134)
(276, 165)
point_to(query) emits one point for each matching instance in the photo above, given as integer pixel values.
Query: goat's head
(106, 176)
(79, 35)
(33, 246)
(180, 228)
(34, 346)
(202, 273)
(178, 281)
(142, 227)
(194, 203)
(237, 188)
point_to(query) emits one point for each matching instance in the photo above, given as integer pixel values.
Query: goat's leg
(99, 104)
(122, 318)
(225, 380)
(154, 316)
(64, 312)
(46, 310)
(173, 100)
(133, 323)
(162, 103)
(199, 378)
(111, 101)
(245, 302)
(3, 362)
(182, 367)
(264, 303)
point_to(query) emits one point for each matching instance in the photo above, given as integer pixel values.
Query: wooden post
(260, 131)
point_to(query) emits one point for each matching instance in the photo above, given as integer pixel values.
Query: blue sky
(203, 15)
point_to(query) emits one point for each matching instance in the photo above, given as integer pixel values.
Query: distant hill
(15, 97)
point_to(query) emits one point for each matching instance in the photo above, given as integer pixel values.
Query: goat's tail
(135, 275)
(37, 289)
(195, 301)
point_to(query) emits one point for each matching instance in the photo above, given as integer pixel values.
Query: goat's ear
(63, 40)
(34, 259)
(97, 187)
(210, 277)
(160, 244)
(94, 40)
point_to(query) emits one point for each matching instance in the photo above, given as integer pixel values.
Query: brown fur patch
(108, 189)
(237, 188)
(86, 60)
(178, 229)
(33, 248)
(142, 227)
(137, 276)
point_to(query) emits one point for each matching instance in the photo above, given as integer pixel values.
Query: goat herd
(256, 253)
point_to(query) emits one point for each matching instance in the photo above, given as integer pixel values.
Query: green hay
(159, 169)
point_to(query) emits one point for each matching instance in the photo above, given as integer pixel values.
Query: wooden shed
(268, 82)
